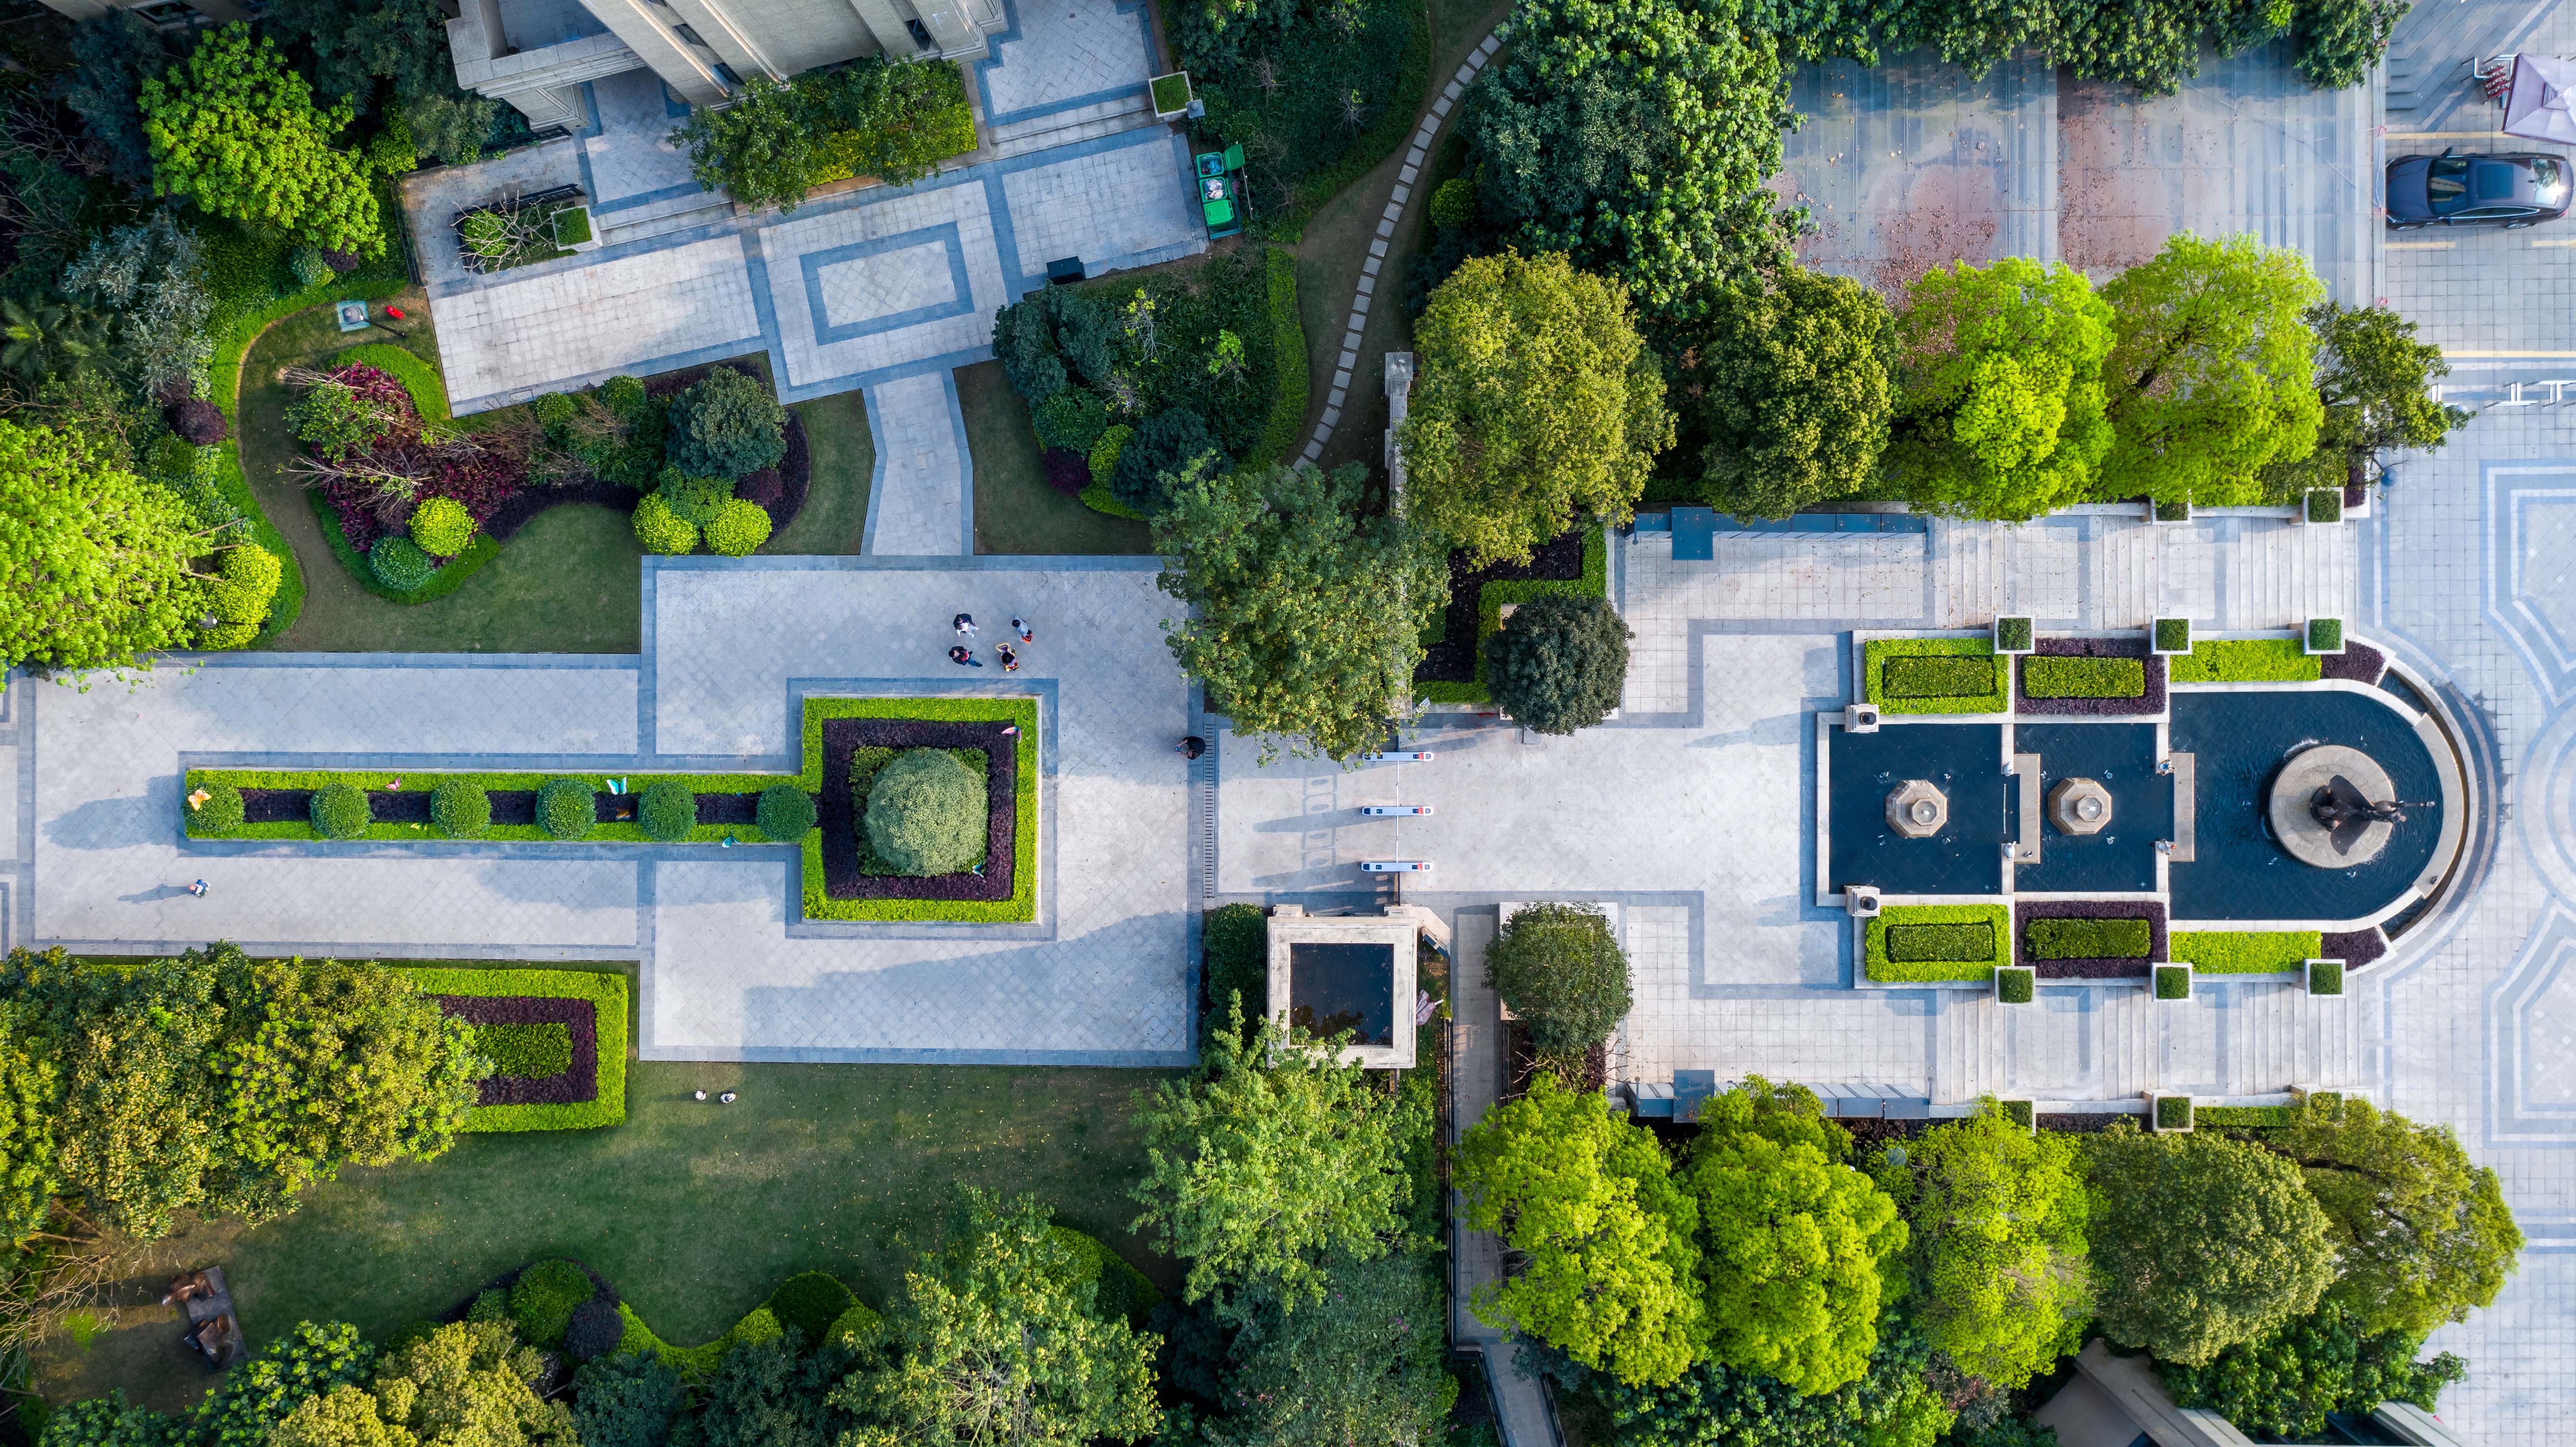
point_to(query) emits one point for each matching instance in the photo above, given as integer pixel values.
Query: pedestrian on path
(965, 625)
(1027, 634)
(1010, 660)
(1193, 746)
(964, 657)
(198, 889)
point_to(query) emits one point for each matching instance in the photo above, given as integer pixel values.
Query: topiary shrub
(1120, 1291)
(1072, 419)
(2325, 635)
(926, 813)
(543, 1298)
(786, 811)
(1558, 663)
(2173, 635)
(1167, 448)
(441, 527)
(727, 425)
(661, 530)
(738, 529)
(555, 411)
(309, 268)
(694, 500)
(246, 585)
(625, 397)
(1454, 204)
(594, 1331)
(810, 1303)
(493, 1305)
(567, 808)
(399, 564)
(2013, 986)
(1562, 974)
(2013, 634)
(220, 813)
(668, 811)
(198, 422)
(1104, 453)
(340, 811)
(460, 809)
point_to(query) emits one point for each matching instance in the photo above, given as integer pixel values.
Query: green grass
(2244, 952)
(1015, 510)
(844, 454)
(1995, 919)
(1876, 654)
(2244, 660)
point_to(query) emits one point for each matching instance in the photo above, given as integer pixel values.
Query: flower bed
(2358, 663)
(1576, 562)
(2246, 952)
(1880, 655)
(2355, 948)
(1956, 929)
(834, 885)
(850, 870)
(2089, 967)
(591, 1005)
(2148, 697)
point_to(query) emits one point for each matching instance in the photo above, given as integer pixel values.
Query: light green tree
(2213, 375)
(1535, 403)
(996, 1343)
(1270, 1159)
(1589, 1201)
(232, 127)
(2000, 408)
(466, 1384)
(1997, 1259)
(1798, 1251)
(1307, 613)
(29, 1086)
(1790, 386)
(93, 560)
(2200, 1242)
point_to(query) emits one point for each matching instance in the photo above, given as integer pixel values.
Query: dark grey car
(2520, 189)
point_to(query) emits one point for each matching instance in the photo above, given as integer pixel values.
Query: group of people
(963, 654)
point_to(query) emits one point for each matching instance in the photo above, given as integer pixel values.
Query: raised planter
(2016, 984)
(2323, 637)
(2323, 978)
(2015, 634)
(1171, 95)
(2324, 506)
(2172, 983)
(2168, 512)
(2023, 1113)
(2169, 1114)
(2169, 636)
(575, 230)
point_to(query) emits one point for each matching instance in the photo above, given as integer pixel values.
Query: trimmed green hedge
(606, 992)
(450, 576)
(1123, 1291)
(1022, 905)
(620, 832)
(2325, 977)
(2325, 635)
(1939, 677)
(1879, 653)
(2244, 660)
(696, 1364)
(2172, 982)
(796, 1303)
(2084, 677)
(2244, 952)
(809, 1303)
(2013, 632)
(1910, 944)
(2173, 1112)
(2014, 986)
(1994, 919)
(1289, 381)
(1593, 583)
(2090, 939)
(530, 1052)
(2246, 1117)
(2173, 635)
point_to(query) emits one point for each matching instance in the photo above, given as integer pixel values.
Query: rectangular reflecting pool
(1963, 761)
(1338, 987)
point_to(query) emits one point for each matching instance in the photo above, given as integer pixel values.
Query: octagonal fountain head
(2079, 806)
(1917, 810)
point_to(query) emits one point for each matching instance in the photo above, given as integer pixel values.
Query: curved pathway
(1414, 160)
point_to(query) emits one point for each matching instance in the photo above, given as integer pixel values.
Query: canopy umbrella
(2536, 101)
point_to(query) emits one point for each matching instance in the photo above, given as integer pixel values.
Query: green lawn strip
(841, 456)
(2084, 677)
(2244, 660)
(1879, 652)
(1022, 905)
(1017, 511)
(1593, 583)
(604, 989)
(2244, 952)
(1875, 961)
(419, 378)
(1289, 382)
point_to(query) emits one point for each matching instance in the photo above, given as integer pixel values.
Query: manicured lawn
(694, 1212)
(835, 519)
(1015, 510)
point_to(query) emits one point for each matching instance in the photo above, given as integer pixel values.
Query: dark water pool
(1966, 762)
(1338, 987)
(2122, 757)
(2242, 739)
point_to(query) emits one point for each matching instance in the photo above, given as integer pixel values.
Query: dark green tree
(926, 813)
(1558, 663)
(2340, 40)
(112, 55)
(111, 1421)
(626, 1400)
(1974, 35)
(1562, 974)
(2283, 1383)
(1790, 387)
(2200, 1242)
(1168, 448)
(355, 43)
(1361, 1365)
(725, 425)
(2375, 382)
(770, 1394)
(1715, 1405)
(258, 1394)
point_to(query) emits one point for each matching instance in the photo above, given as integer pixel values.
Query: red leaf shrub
(480, 477)
(197, 421)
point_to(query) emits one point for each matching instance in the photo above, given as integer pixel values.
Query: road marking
(2421, 245)
(2565, 241)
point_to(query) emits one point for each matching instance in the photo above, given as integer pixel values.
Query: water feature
(2120, 857)
(1338, 987)
(1963, 761)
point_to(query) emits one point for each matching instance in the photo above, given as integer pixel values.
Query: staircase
(660, 218)
(1133, 110)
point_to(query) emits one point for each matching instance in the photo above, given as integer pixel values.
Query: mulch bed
(1453, 658)
(509, 806)
(2089, 969)
(838, 812)
(2358, 662)
(575, 1084)
(1522, 1064)
(2150, 702)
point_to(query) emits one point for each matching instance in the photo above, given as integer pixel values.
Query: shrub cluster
(1917, 943)
(926, 813)
(785, 812)
(460, 809)
(567, 808)
(2090, 939)
(340, 811)
(1878, 934)
(442, 527)
(2049, 677)
(724, 425)
(658, 529)
(893, 120)
(543, 1298)
(668, 811)
(399, 563)
(1558, 969)
(1939, 677)
(241, 595)
(1236, 942)
(739, 528)
(809, 1303)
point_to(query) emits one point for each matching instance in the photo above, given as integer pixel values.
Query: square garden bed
(1453, 658)
(587, 1006)
(2090, 677)
(2067, 923)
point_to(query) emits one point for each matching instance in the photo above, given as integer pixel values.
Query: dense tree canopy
(768, 1393)
(2375, 384)
(1715, 1405)
(2283, 1383)
(2000, 408)
(1361, 1365)
(2213, 373)
(1788, 386)
(1534, 403)
(2200, 1242)
(1308, 614)
(1997, 1258)
(355, 43)
(1559, 663)
(466, 1384)
(93, 560)
(233, 129)
(629, 1399)
(1561, 972)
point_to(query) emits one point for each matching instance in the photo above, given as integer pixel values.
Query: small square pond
(1333, 987)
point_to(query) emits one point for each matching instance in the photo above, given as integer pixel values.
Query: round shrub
(661, 530)
(739, 528)
(1454, 204)
(624, 396)
(567, 808)
(786, 812)
(810, 1303)
(340, 811)
(668, 811)
(222, 812)
(595, 1330)
(227, 635)
(554, 412)
(543, 1298)
(727, 425)
(247, 584)
(399, 564)
(1104, 453)
(693, 500)
(1166, 449)
(1559, 663)
(442, 527)
(1072, 419)
(925, 813)
(198, 422)
(1561, 973)
(460, 809)
(309, 267)
(856, 1327)
(493, 1305)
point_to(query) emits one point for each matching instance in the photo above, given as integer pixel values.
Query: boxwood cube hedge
(340, 811)
(2015, 985)
(2013, 634)
(1916, 943)
(2325, 977)
(2325, 504)
(2173, 982)
(2325, 635)
(2173, 635)
(567, 809)
(2173, 1112)
(668, 810)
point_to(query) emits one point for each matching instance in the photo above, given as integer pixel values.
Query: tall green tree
(2213, 375)
(112, 53)
(355, 43)
(93, 560)
(2375, 386)
(626, 1400)
(2000, 408)
(1270, 1159)
(1790, 387)
(770, 1393)
(291, 1369)
(1364, 1364)
(2421, 1234)
(1534, 403)
(1798, 1252)
(1997, 1259)
(1562, 973)
(1590, 1202)
(996, 1342)
(30, 1083)
(1715, 1405)
(234, 129)
(466, 1384)
(2200, 1242)
(2283, 1383)
(1307, 614)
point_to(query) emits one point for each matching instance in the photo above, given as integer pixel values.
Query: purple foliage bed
(2359, 662)
(2092, 969)
(577, 1083)
(2151, 702)
(839, 812)
(2356, 948)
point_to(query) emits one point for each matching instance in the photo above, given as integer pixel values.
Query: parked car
(2523, 188)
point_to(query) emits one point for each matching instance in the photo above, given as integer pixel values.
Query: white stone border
(1397, 932)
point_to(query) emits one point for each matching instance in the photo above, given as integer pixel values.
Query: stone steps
(660, 218)
(1063, 128)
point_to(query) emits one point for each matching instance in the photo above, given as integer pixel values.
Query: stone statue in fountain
(2344, 812)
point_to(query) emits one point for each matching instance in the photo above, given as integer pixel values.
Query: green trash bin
(1234, 157)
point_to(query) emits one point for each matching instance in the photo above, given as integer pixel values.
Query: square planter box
(2167, 637)
(2016, 984)
(2170, 513)
(2323, 506)
(2015, 634)
(2323, 978)
(2023, 1113)
(2171, 983)
(1171, 95)
(2322, 637)
(576, 229)
(2169, 1114)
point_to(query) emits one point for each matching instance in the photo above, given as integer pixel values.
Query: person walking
(965, 625)
(198, 889)
(964, 657)
(1010, 659)
(1193, 746)
(1027, 634)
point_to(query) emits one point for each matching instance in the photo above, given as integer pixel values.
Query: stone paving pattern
(1059, 55)
(920, 505)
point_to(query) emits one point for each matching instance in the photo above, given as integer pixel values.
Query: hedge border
(1371, 147)
(2082, 677)
(2245, 952)
(422, 782)
(1876, 652)
(2246, 1117)
(1291, 385)
(1021, 907)
(1490, 598)
(2244, 660)
(860, 1323)
(1875, 964)
(607, 993)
